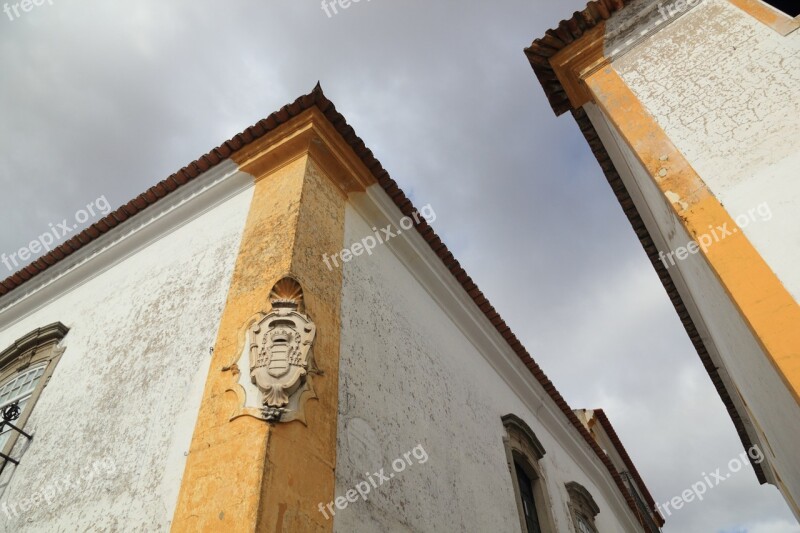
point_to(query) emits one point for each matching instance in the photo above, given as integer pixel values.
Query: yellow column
(243, 474)
(301, 459)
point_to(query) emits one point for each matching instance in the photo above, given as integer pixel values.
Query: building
(274, 339)
(604, 434)
(692, 108)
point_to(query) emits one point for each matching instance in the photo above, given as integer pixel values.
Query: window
(790, 7)
(582, 507)
(18, 390)
(528, 501)
(25, 367)
(583, 525)
(524, 452)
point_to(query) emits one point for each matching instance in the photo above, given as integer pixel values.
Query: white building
(692, 108)
(274, 339)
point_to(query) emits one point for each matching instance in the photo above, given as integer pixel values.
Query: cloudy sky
(97, 100)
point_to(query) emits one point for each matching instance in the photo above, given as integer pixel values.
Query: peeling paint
(126, 389)
(676, 199)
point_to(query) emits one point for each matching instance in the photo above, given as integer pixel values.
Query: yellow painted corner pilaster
(301, 459)
(243, 474)
(221, 486)
(762, 300)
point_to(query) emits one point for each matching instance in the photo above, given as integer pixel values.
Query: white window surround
(524, 450)
(25, 368)
(582, 507)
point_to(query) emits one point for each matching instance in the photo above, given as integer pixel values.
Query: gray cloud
(105, 98)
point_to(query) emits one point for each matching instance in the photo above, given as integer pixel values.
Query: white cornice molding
(638, 21)
(415, 254)
(178, 208)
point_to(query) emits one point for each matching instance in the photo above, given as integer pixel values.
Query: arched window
(582, 507)
(18, 389)
(524, 451)
(25, 367)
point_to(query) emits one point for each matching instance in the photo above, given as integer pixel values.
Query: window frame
(524, 449)
(581, 506)
(38, 348)
(23, 395)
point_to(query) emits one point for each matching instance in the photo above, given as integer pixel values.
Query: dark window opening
(790, 7)
(528, 503)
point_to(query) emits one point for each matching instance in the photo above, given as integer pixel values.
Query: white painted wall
(726, 335)
(414, 370)
(726, 90)
(127, 389)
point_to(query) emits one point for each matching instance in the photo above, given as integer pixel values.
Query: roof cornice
(542, 50)
(309, 133)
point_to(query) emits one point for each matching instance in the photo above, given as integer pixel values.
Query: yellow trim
(770, 311)
(572, 63)
(308, 133)
(584, 56)
(777, 20)
(242, 474)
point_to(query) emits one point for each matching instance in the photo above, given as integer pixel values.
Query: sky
(98, 100)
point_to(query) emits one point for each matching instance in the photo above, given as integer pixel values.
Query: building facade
(274, 339)
(692, 109)
(601, 430)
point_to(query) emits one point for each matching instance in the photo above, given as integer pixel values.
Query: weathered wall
(726, 334)
(410, 376)
(126, 392)
(725, 88)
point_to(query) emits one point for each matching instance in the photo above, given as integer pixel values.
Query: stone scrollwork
(280, 349)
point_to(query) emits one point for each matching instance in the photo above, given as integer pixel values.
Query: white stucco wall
(411, 376)
(726, 89)
(726, 335)
(126, 392)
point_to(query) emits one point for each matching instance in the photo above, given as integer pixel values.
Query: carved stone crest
(280, 349)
